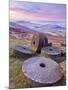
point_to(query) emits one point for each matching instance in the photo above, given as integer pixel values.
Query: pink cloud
(47, 13)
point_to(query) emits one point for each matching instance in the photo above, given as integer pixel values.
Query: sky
(35, 11)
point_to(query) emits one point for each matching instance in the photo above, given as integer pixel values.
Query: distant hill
(52, 26)
(25, 26)
(18, 28)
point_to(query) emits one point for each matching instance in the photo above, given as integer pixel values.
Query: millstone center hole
(50, 49)
(34, 42)
(24, 48)
(42, 65)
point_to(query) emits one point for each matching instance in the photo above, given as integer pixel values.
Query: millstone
(39, 40)
(51, 51)
(22, 51)
(42, 70)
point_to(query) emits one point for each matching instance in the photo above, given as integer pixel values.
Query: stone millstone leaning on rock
(39, 41)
